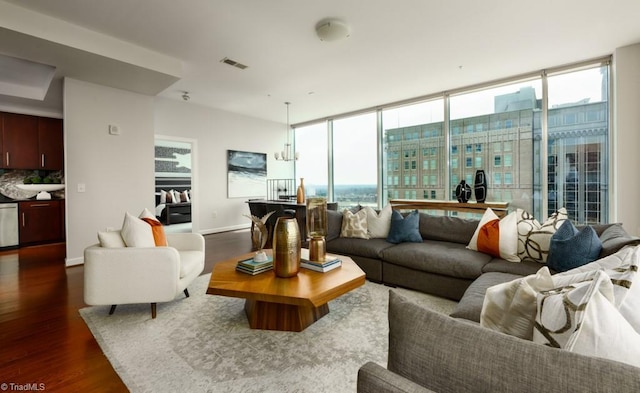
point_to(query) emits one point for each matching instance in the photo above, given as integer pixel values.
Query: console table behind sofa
(500, 208)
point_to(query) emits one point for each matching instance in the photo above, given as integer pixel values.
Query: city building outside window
(500, 131)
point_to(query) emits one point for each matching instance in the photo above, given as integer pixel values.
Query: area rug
(204, 344)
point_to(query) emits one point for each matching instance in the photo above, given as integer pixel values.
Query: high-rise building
(506, 144)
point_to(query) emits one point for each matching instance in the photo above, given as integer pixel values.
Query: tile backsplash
(10, 177)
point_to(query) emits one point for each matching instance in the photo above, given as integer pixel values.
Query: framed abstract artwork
(246, 174)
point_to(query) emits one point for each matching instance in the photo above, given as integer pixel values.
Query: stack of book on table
(330, 262)
(252, 267)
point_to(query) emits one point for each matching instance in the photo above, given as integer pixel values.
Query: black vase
(480, 186)
(463, 192)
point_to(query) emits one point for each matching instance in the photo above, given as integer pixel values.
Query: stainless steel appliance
(9, 225)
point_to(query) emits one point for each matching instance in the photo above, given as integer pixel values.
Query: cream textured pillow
(583, 318)
(111, 239)
(136, 233)
(378, 224)
(354, 224)
(534, 238)
(157, 229)
(511, 307)
(496, 237)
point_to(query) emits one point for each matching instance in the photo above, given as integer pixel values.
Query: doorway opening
(174, 183)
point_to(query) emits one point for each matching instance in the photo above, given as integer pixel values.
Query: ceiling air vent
(233, 63)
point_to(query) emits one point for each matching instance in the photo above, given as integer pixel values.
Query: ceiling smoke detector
(332, 30)
(185, 96)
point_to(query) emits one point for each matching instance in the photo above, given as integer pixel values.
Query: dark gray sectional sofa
(441, 265)
(430, 352)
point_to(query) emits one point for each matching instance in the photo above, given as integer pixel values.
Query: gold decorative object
(317, 249)
(286, 247)
(317, 228)
(300, 193)
(259, 235)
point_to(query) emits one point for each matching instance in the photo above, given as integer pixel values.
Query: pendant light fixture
(287, 154)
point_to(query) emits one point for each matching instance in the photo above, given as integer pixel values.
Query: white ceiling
(397, 49)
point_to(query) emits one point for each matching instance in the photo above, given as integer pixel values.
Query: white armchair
(125, 275)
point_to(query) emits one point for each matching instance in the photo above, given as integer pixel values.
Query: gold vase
(317, 249)
(286, 247)
(300, 193)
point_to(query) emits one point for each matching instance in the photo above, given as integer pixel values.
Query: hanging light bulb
(287, 154)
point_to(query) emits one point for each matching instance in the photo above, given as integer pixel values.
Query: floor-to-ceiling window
(578, 143)
(414, 151)
(537, 157)
(355, 160)
(312, 144)
(492, 130)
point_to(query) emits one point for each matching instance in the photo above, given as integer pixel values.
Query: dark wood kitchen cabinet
(50, 144)
(31, 142)
(19, 141)
(41, 221)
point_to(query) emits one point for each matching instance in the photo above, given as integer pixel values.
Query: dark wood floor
(43, 339)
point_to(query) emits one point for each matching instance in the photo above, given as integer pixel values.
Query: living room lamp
(287, 154)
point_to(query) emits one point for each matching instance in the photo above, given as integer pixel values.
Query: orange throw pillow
(158, 231)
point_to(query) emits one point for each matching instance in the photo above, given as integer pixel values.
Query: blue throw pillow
(571, 248)
(404, 229)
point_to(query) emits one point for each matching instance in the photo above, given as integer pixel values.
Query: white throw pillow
(511, 307)
(496, 237)
(111, 239)
(136, 233)
(378, 224)
(583, 318)
(534, 238)
(354, 224)
(146, 213)
(164, 195)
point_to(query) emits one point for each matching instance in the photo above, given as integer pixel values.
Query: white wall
(626, 143)
(117, 171)
(215, 132)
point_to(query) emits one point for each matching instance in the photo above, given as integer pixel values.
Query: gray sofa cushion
(445, 258)
(445, 228)
(446, 354)
(614, 238)
(370, 248)
(470, 306)
(334, 224)
(523, 268)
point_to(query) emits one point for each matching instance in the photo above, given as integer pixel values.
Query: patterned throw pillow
(404, 229)
(510, 307)
(571, 248)
(583, 318)
(354, 224)
(378, 224)
(496, 237)
(534, 238)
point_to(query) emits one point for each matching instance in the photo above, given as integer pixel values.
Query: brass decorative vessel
(317, 249)
(317, 228)
(286, 247)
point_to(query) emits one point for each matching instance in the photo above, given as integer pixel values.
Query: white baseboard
(74, 261)
(224, 229)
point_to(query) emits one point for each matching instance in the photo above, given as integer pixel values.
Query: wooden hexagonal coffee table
(288, 304)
